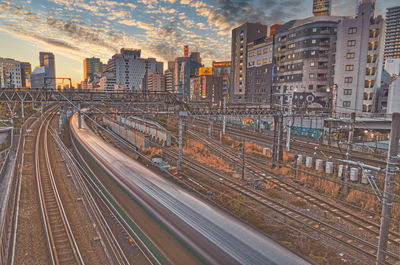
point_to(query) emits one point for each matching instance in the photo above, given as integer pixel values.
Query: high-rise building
(359, 60)
(241, 36)
(155, 81)
(47, 59)
(91, 66)
(26, 70)
(259, 70)
(322, 7)
(37, 77)
(206, 89)
(127, 69)
(10, 73)
(184, 68)
(392, 42)
(304, 59)
(394, 97)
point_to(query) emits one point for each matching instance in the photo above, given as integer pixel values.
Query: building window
(347, 92)
(310, 87)
(251, 54)
(349, 67)
(348, 80)
(351, 43)
(265, 50)
(350, 55)
(346, 104)
(312, 53)
(311, 76)
(314, 30)
(312, 64)
(291, 46)
(259, 52)
(265, 60)
(270, 59)
(313, 41)
(258, 61)
(251, 63)
(352, 30)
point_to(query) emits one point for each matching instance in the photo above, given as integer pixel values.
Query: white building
(394, 97)
(155, 81)
(392, 66)
(359, 60)
(37, 77)
(10, 73)
(129, 69)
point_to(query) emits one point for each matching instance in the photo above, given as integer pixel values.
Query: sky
(77, 29)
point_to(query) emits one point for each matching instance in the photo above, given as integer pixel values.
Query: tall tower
(322, 7)
(47, 59)
(241, 36)
(392, 42)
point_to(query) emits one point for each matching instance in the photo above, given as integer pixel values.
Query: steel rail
(62, 244)
(258, 169)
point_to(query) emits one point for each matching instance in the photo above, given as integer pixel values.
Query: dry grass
(320, 185)
(201, 153)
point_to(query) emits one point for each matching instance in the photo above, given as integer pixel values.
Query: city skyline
(74, 30)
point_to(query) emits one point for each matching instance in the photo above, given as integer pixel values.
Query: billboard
(222, 64)
(204, 87)
(205, 71)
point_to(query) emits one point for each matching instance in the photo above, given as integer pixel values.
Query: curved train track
(62, 244)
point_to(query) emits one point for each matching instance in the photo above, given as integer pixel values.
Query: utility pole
(79, 116)
(391, 170)
(348, 150)
(180, 140)
(289, 127)
(243, 151)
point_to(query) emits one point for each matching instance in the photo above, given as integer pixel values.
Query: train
(155, 134)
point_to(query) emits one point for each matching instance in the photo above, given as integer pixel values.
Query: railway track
(322, 227)
(259, 170)
(62, 244)
(297, 145)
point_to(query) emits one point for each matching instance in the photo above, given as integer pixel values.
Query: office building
(304, 52)
(26, 70)
(206, 89)
(37, 77)
(259, 70)
(127, 70)
(47, 59)
(241, 36)
(322, 7)
(394, 97)
(91, 66)
(155, 81)
(384, 92)
(392, 42)
(10, 73)
(359, 60)
(169, 80)
(184, 68)
(223, 69)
